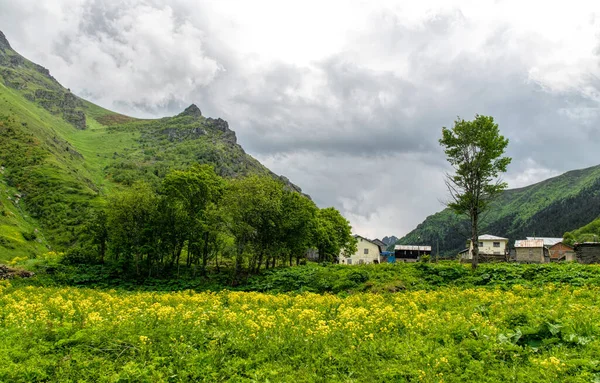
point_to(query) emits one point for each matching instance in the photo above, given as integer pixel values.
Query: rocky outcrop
(65, 103)
(4, 42)
(221, 125)
(9, 273)
(192, 111)
(175, 134)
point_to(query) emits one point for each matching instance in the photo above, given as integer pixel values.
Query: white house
(367, 252)
(490, 246)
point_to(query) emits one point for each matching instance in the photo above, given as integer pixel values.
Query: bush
(29, 235)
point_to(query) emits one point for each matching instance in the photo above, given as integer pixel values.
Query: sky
(345, 98)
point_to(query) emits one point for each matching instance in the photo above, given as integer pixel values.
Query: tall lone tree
(475, 150)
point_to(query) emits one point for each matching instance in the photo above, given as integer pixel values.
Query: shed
(531, 251)
(561, 252)
(410, 253)
(588, 252)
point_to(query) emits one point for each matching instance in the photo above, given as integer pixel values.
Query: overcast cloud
(345, 98)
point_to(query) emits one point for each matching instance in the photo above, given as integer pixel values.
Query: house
(561, 252)
(491, 249)
(384, 254)
(531, 251)
(555, 250)
(380, 243)
(367, 252)
(410, 253)
(588, 252)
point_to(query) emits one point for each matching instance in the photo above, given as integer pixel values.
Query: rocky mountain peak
(192, 110)
(4, 42)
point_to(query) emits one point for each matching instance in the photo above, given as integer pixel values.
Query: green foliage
(333, 235)
(539, 334)
(587, 233)
(327, 279)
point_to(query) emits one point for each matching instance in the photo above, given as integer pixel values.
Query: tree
(333, 234)
(132, 229)
(475, 150)
(297, 225)
(191, 193)
(253, 209)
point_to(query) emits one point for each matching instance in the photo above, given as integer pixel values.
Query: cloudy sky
(346, 98)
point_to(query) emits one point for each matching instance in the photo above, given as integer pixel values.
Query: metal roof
(488, 237)
(411, 247)
(529, 243)
(547, 241)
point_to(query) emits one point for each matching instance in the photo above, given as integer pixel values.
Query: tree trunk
(239, 257)
(102, 249)
(474, 241)
(205, 254)
(260, 261)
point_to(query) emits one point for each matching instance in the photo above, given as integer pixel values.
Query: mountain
(61, 155)
(389, 240)
(546, 209)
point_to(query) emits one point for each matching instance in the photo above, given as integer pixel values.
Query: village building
(588, 252)
(367, 252)
(410, 253)
(380, 243)
(561, 252)
(491, 249)
(531, 251)
(384, 256)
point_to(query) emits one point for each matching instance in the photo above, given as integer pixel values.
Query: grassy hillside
(549, 208)
(64, 155)
(586, 233)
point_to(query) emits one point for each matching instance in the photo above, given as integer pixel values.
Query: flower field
(537, 334)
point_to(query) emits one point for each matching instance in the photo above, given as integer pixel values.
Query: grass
(541, 334)
(14, 226)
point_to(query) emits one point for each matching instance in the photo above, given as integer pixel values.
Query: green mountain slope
(62, 155)
(549, 208)
(586, 233)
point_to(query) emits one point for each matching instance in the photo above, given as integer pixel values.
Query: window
(480, 244)
(496, 244)
(361, 262)
(366, 251)
(349, 261)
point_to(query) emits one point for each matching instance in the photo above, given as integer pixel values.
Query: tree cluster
(197, 220)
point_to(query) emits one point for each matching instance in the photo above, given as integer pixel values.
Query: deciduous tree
(475, 150)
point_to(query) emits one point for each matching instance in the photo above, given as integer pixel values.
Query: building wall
(367, 253)
(588, 253)
(530, 254)
(560, 251)
(487, 248)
